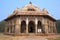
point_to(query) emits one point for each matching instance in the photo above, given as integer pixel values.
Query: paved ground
(30, 38)
(8, 37)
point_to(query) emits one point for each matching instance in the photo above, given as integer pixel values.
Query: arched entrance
(39, 27)
(23, 27)
(31, 27)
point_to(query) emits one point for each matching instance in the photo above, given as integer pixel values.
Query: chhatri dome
(30, 7)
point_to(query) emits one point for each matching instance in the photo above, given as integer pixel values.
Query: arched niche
(23, 26)
(39, 27)
(31, 27)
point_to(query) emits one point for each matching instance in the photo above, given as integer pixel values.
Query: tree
(58, 26)
(2, 26)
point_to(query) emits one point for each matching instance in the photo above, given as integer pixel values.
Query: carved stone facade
(30, 20)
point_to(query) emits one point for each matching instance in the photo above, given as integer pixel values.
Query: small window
(31, 9)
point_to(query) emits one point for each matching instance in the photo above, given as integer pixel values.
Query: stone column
(20, 25)
(43, 25)
(52, 26)
(46, 26)
(46, 29)
(55, 27)
(27, 26)
(12, 26)
(42, 20)
(49, 27)
(36, 25)
(17, 27)
(12, 29)
(9, 25)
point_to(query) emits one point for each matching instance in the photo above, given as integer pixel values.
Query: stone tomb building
(30, 20)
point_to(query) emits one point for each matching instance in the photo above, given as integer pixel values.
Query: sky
(8, 6)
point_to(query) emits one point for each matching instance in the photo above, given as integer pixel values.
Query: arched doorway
(39, 27)
(31, 27)
(23, 27)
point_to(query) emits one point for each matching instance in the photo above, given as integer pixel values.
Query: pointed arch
(39, 27)
(31, 27)
(23, 27)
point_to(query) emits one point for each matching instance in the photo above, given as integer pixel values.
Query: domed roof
(45, 11)
(30, 7)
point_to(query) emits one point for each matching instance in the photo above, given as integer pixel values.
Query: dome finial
(30, 2)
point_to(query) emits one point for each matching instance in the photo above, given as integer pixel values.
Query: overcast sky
(7, 6)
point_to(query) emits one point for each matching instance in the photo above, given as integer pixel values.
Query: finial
(30, 2)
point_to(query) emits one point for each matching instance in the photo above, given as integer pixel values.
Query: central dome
(30, 7)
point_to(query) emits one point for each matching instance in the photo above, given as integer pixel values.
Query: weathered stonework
(30, 20)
